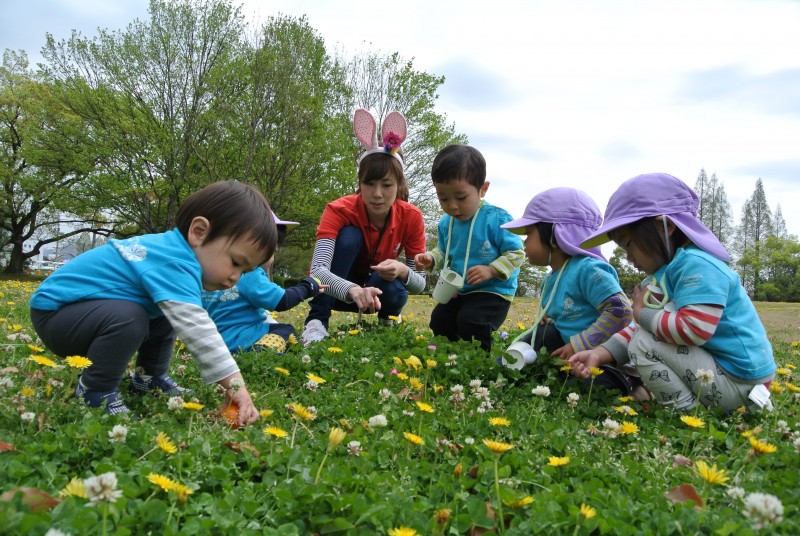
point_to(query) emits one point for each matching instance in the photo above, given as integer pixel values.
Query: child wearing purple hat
(697, 337)
(581, 296)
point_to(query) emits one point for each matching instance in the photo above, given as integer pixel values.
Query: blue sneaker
(163, 383)
(110, 400)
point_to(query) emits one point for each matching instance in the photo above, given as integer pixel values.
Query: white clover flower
(705, 376)
(306, 359)
(28, 416)
(610, 424)
(55, 532)
(378, 421)
(796, 444)
(6, 383)
(452, 360)
(181, 370)
(311, 385)
(469, 441)
(379, 375)
(541, 390)
(735, 492)
(572, 400)
(236, 384)
(385, 394)
(312, 409)
(102, 488)
(55, 382)
(481, 393)
(354, 448)
(481, 409)
(408, 413)
(118, 434)
(8, 348)
(364, 360)
(175, 403)
(782, 427)
(458, 388)
(763, 509)
(457, 397)
(474, 384)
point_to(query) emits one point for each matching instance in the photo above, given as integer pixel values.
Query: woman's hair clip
(393, 133)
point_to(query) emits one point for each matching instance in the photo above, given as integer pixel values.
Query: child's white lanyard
(469, 241)
(543, 310)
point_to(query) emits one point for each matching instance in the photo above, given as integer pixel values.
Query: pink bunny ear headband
(393, 133)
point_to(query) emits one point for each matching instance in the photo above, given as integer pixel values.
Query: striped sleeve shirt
(197, 331)
(339, 287)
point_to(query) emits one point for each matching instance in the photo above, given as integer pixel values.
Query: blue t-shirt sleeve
(695, 280)
(598, 281)
(257, 289)
(173, 281)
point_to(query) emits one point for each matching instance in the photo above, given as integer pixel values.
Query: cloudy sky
(571, 93)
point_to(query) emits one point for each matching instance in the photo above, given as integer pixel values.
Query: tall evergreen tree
(754, 228)
(779, 224)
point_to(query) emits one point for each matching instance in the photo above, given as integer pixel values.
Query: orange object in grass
(231, 414)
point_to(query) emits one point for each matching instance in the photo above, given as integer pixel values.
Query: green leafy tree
(629, 276)
(781, 280)
(753, 230)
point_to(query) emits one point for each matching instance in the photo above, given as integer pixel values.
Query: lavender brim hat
(574, 216)
(289, 224)
(658, 194)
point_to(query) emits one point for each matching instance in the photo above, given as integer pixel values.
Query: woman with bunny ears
(361, 236)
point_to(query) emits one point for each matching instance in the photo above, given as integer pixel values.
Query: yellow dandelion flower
(282, 371)
(565, 368)
(438, 388)
(694, 422)
(595, 371)
(752, 432)
(497, 447)
(587, 511)
(519, 503)
(395, 318)
(795, 344)
(34, 348)
(414, 438)
(354, 331)
(275, 431)
(48, 389)
(499, 421)
(194, 406)
(430, 363)
(74, 488)
(16, 327)
(402, 531)
(520, 325)
(421, 338)
(413, 362)
(712, 475)
(397, 360)
(334, 350)
(762, 447)
(625, 399)
(315, 378)
(335, 437)
(265, 413)
(627, 410)
(302, 412)
(776, 387)
(27, 391)
(292, 338)
(402, 375)
(42, 360)
(629, 428)
(427, 408)
(790, 366)
(345, 423)
(784, 371)
(793, 388)
(78, 362)
(165, 444)
(163, 482)
(182, 491)
(558, 461)
(415, 383)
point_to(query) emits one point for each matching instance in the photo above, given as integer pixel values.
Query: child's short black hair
(234, 210)
(459, 161)
(546, 235)
(376, 166)
(648, 235)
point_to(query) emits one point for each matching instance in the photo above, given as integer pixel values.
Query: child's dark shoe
(163, 383)
(110, 400)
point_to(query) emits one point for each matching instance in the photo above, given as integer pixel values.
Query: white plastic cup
(519, 355)
(447, 286)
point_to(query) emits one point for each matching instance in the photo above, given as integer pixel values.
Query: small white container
(519, 355)
(447, 286)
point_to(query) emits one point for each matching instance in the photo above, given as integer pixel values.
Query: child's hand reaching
(565, 352)
(423, 261)
(582, 362)
(241, 398)
(366, 298)
(478, 274)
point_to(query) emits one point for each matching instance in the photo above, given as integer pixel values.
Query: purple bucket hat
(574, 216)
(658, 194)
(289, 224)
